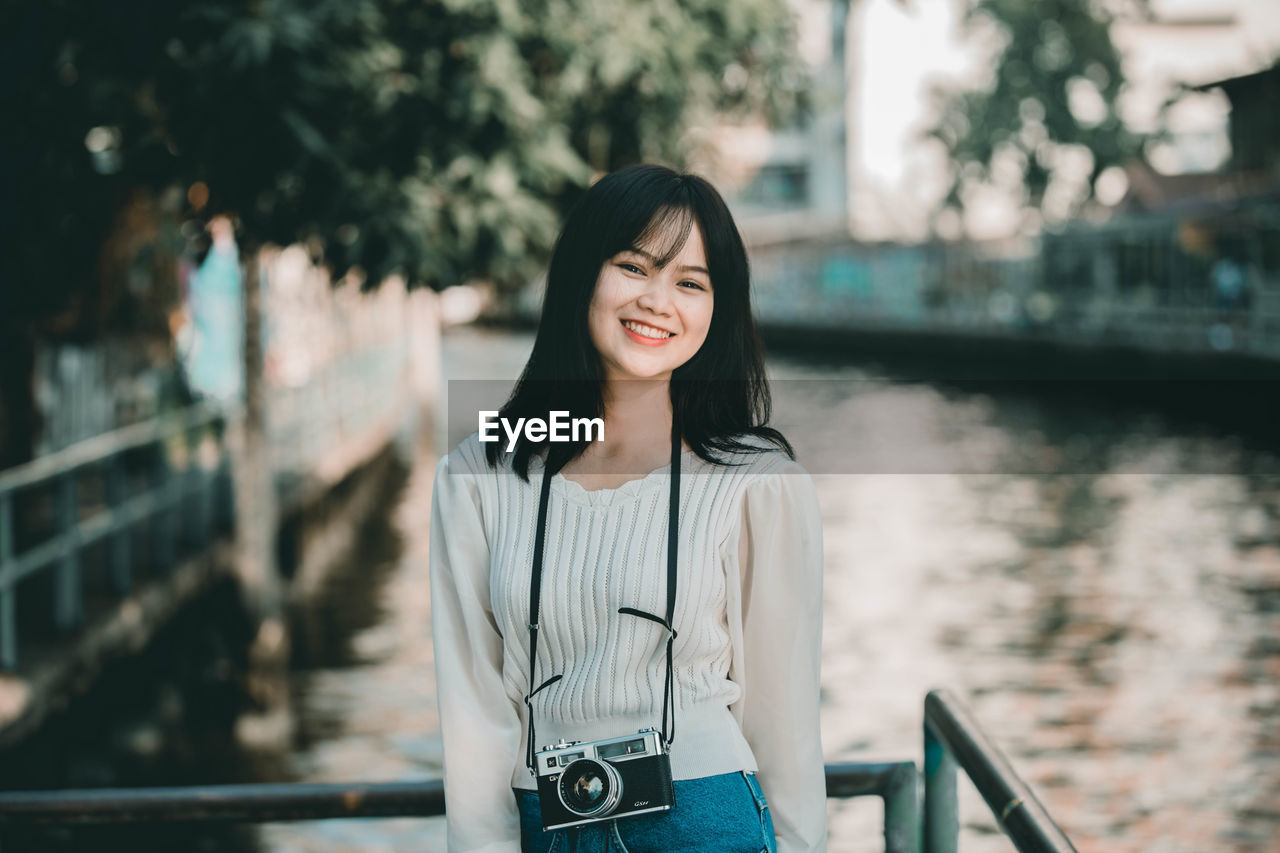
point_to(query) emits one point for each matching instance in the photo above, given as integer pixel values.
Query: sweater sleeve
(780, 554)
(479, 723)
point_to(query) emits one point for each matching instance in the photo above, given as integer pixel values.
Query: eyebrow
(686, 268)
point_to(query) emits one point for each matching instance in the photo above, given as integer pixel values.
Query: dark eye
(692, 283)
(630, 267)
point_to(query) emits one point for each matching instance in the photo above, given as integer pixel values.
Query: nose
(656, 297)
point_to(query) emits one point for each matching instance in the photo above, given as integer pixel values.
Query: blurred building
(863, 157)
(793, 181)
(1254, 125)
(1193, 248)
(1250, 168)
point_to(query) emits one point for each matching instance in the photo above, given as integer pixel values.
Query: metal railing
(357, 393)
(897, 783)
(1080, 288)
(170, 474)
(953, 741)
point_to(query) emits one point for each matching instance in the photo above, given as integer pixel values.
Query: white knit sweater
(748, 617)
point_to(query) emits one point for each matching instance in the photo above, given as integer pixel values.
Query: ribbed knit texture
(605, 550)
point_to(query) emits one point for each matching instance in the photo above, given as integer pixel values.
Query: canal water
(1102, 589)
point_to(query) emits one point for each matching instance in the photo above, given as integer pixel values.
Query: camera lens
(590, 788)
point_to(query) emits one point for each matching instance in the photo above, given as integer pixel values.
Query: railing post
(122, 537)
(941, 805)
(163, 515)
(1019, 813)
(208, 483)
(66, 579)
(226, 508)
(8, 589)
(193, 531)
(902, 811)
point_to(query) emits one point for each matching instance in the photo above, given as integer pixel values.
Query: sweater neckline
(579, 494)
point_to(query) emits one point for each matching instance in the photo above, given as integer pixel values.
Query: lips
(645, 334)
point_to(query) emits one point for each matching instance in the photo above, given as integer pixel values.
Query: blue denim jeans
(715, 814)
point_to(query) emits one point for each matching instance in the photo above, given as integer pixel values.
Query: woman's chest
(596, 562)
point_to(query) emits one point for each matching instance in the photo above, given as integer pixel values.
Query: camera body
(586, 782)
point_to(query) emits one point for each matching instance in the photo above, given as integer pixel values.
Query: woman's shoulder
(468, 457)
(471, 457)
(764, 483)
(755, 455)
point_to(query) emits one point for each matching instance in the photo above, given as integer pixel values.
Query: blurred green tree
(437, 138)
(440, 139)
(1047, 124)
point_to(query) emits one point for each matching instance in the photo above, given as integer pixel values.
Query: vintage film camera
(580, 783)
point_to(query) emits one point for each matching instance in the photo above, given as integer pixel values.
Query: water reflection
(365, 687)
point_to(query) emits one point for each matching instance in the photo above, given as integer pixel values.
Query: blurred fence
(337, 365)
(355, 395)
(1142, 281)
(85, 390)
(97, 517)
(94, 518)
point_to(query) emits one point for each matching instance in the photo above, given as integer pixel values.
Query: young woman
(553, 612)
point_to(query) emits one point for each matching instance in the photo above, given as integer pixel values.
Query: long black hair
(720, 395)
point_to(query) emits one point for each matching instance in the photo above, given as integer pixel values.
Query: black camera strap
(535, 590)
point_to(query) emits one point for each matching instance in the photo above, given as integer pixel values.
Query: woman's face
(645, 320)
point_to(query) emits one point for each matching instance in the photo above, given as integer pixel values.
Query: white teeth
(646, 331)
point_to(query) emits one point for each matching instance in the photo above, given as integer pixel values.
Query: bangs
(665, 234)
(654, 216)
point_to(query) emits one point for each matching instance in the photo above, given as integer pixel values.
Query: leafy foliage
(1051, 104)
(437, 138)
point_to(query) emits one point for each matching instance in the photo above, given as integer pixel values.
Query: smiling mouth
(648, 333)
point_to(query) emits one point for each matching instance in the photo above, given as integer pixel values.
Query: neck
(637, 415)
